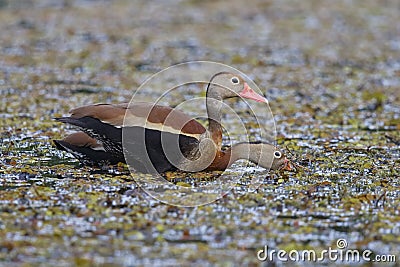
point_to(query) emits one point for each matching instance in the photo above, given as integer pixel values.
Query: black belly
(151, 151)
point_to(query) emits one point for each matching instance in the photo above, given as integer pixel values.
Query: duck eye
(235, 80)
(277, 154)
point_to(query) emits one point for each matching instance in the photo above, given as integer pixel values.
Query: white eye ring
(235, 80)
(277, 154)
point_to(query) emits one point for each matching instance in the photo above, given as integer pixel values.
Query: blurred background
(331, 71)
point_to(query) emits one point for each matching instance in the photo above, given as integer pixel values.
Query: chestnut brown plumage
(159, 138)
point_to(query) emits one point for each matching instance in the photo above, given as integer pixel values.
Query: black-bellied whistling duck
(156, 138)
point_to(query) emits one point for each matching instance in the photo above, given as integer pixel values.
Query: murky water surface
(330, 71)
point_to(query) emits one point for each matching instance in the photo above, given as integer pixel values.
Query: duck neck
(224, 159)
(253, 152)
(214, 106)
(258, 153)
(240, 151)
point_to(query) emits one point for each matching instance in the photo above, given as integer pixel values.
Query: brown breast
(221, 161)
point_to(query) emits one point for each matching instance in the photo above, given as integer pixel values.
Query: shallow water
(332, 77)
